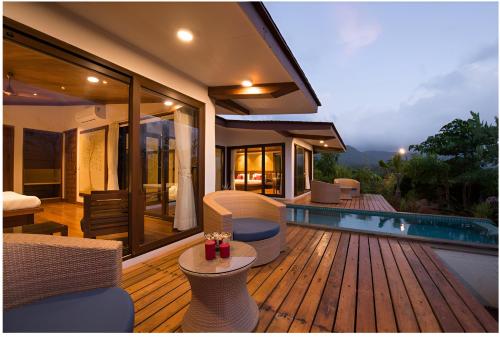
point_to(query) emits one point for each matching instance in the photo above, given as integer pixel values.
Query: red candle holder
(210, 249)
(224, 250)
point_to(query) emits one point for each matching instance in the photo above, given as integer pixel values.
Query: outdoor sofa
(325, 193)
(63, 284)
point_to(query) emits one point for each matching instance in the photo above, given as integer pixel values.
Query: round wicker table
(220, 301)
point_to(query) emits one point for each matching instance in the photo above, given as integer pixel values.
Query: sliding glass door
(302, 170)
(258, 169)
(139, 144)
(220, 168)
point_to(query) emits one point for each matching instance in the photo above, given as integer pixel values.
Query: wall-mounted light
(35, 94)
(321, 141)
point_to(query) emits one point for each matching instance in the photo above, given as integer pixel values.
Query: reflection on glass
(169, 154)
(238, 175)
(273, 156)
(52, 97)
(219, 168)
(254, 169)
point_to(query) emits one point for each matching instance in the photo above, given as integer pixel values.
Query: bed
(19, 209)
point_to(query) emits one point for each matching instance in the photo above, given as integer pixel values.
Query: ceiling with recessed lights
(215, 43)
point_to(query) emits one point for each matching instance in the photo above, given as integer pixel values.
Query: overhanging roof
(318, 134)
(232, 42)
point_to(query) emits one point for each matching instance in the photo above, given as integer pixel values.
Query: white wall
(63, 27)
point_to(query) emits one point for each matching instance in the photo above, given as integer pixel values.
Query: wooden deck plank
(423, 311)
(441, 309)
(365, 310)
(463, 314)
(327, 309)
(477, 309)
(273, 302)
(286, 313)
(371, 202)
(326, 281)
(405, 317)
(346, 312)
(305, 314)
(386, 321)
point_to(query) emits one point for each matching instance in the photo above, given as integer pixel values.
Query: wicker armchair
(40, 270)
(222, 208)
(324, 192)
(354, 184)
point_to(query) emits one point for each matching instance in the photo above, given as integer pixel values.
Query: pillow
(257, 176)
(240, 176)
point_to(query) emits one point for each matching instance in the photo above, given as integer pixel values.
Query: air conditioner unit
(91, 114)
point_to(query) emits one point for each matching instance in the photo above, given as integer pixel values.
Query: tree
(394, 166)
(468, 147)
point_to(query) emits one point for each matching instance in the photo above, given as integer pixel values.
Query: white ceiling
(226, 49)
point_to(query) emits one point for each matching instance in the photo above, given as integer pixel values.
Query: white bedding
(13, 200)
(250, 182)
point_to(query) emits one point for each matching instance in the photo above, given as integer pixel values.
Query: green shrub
(482, 210)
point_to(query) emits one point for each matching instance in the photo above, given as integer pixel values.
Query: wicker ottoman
(220, 301)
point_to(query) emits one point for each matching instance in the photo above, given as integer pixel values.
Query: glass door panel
(219, 168)
(238, 173)
(273, 167)
(254, 166)
(169, 147)
(299, 170)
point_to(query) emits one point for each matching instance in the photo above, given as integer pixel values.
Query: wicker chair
(248, 215)
(63, 284)
(324, 192)
(354, 184)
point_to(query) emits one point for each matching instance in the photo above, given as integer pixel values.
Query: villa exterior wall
(65, 27)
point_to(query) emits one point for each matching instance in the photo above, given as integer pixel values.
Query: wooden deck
(326, 281)
(369, 202)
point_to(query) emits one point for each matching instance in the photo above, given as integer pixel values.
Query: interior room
(66, 137)
(257, 169)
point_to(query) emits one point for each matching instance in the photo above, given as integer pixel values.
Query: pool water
(453, 228)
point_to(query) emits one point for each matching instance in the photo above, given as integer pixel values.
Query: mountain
(355, 158)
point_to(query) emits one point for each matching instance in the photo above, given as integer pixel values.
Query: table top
(241, 256)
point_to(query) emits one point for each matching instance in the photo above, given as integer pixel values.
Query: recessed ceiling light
(321, 141)
(35, 94)
(93, 79)
(247, 83)
(104, 82)
(168, 103)
(63, 87)
(185, 35)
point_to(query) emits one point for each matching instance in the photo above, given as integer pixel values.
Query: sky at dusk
(390, 74)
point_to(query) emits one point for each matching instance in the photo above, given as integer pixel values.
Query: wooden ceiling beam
(232, 106)
(265, 90)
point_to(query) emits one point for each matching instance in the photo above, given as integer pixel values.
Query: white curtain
(113, 133)
(185, 212)
(306, 170)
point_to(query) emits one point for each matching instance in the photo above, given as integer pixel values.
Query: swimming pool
(470, 230)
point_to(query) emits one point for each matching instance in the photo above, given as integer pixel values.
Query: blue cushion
(252, 229)
(96, 310)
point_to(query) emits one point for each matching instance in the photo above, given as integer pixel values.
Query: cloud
(355, 30)
(473, 85)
